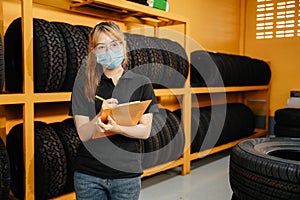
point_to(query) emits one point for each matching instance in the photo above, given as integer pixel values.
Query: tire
(204, 69)
(155, 59)
(70, 140)
(177, 137)
(85, 30)
(4, 172)
(288, 117)
(151, 144)
(50, 161)
(76, 49)
(234, 197)
(286, 131)
(239, 123)
(2, 66)
(13, 57)
(176, 62)
(266, 168)
(234, 70)
(50, 59)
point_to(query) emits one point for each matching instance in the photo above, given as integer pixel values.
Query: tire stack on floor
(265, 168)
(218, 69)
(55, 148)
(4, 172)
(287, 122)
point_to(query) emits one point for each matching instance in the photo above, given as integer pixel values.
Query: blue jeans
(93, 188)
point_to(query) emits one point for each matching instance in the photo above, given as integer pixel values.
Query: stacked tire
(55, 147)
(67, 133)
(166, 141)
(287, 122)
(58, 49)
(214, 69)
(4, 172)
(2, 67)
(265, 168)
(208, 130)
(162, 60)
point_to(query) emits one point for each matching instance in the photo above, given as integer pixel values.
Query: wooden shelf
(6, 99)
(126, 12)
(118, 10)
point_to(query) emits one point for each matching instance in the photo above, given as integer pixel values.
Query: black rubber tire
(266, 168)
(239, 123)
(234, 197)
(50, 59)
(50, 161)
(204, 68)
(70, 140)
(76, 49)
(286, 131)
(2, 65)
(151, 144)
(176, 62)
(288, 117)
(177, 137)
(85, 30)
(13, 57)
(234, 70)
(4, 172)
(162, 60)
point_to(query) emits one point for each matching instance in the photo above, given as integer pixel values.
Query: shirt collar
(126, 75)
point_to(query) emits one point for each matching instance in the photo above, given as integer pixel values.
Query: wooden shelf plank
(8, 99)
(69, 196)
(204, 90)
(162, 167)
(170, 91)
(52, 97)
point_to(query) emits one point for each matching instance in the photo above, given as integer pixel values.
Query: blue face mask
(111, 59)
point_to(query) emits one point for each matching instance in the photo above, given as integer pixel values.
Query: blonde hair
(94, 71)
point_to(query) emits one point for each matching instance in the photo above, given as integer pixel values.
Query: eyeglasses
(113, 46)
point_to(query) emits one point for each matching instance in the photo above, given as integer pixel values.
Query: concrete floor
(208, 180)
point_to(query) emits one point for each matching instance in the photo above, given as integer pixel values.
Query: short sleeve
(148, 93)
(79, 101)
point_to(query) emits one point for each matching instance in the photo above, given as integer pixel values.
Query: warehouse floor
(208, 180)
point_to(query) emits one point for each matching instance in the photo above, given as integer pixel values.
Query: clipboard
(126, 114)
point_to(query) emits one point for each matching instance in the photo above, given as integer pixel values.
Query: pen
(100, 98)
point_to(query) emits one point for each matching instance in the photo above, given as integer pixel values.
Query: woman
(108, 167)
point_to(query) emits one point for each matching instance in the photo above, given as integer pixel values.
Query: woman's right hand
(109, 103)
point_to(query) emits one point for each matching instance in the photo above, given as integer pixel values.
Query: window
(277, 19)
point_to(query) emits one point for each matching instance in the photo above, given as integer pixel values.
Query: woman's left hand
(110, 126)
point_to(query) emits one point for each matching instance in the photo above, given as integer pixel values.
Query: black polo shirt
(116, 156)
